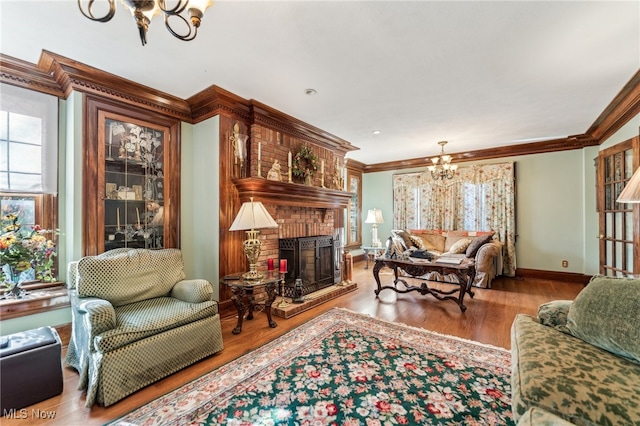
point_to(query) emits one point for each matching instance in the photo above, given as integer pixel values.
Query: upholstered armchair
(135, 320)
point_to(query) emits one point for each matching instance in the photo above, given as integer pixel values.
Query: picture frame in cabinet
(111, 191)
(137, 190)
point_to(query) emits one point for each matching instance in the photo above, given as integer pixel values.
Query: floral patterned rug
(345, 368)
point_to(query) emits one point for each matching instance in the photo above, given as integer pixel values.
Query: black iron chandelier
(144, 10)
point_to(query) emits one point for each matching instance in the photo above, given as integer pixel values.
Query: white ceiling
(479, 74)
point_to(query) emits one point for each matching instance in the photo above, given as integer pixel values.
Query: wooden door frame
(634, 145)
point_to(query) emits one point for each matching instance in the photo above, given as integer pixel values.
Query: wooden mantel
(290, 194)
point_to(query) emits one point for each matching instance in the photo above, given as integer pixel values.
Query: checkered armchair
(135, 320)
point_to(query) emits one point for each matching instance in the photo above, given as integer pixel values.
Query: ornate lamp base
(252, 246)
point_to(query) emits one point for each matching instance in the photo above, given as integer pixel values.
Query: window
(28, 141)
(28, 156)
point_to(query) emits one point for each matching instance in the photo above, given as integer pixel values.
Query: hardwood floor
(488, 320)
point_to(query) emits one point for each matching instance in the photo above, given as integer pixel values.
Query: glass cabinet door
(134, 187)
(354, 209)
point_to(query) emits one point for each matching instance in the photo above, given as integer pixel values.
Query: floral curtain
(480, 198)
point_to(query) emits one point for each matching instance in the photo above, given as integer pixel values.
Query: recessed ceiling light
(310, 92)
(376, 132)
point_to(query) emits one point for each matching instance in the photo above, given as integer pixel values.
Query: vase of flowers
(24, 250)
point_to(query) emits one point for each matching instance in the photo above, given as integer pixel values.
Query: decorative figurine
(274, 172)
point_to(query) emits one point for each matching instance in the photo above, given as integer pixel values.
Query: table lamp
(251, 217)
(631, 192)
(374, 216)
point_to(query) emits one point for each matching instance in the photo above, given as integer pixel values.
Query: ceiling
(478, 74)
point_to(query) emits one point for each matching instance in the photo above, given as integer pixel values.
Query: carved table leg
(237, 298)
(271, 292)
(252, 303)
(376, 271)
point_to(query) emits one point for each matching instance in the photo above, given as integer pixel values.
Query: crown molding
(74, 75)
(215, 100)
(555, 145)
(622, 108)
(26, 75)
(266, 116)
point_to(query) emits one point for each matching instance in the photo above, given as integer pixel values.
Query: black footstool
(30, 368)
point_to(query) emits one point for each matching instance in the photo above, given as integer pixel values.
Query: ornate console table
(465, 272)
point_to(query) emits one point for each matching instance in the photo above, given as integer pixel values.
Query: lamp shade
(252, 215)
(374, 216)
(631, 192)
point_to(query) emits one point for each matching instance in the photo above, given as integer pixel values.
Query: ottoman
(30, 368)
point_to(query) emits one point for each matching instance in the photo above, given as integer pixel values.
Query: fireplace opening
(312, 259)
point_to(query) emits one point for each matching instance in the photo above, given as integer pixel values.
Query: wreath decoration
(305, 163)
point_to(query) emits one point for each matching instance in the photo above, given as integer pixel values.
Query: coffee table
(465, 271)
(242, 289)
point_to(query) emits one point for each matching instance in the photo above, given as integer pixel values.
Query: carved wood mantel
(290, 194)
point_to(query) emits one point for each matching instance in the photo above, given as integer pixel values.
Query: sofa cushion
(460, 246)
(477, 243)
(606, 314)
(149, 317)
(566, 376)
(129, 276)
(429, 242)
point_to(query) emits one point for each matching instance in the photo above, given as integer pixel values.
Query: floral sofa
(481, 246)
(580, 360)
(135, 320)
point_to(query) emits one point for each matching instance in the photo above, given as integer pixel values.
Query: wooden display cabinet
(131, 179)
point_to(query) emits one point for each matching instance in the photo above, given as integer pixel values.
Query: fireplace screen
(311, 259)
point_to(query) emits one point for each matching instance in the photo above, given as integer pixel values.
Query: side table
(371, 251)
(243, 289)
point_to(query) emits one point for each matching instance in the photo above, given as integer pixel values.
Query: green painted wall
(555, 211)
(200, 193)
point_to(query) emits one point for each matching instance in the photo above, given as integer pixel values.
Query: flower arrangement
(22, 249)
(305, 163)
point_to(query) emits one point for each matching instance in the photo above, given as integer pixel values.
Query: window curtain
(45, 107)
(480, 198)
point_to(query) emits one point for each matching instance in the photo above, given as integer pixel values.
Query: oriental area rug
(345, 368)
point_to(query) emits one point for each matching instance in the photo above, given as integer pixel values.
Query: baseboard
(570, 277)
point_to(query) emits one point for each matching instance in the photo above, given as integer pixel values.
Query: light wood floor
(488, 320)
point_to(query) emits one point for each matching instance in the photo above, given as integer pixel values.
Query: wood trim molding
(215, 100)
(555, 145)
(74, 75)
(571, 277)
(266, 116)
(290, 194)
(622, 108)
(41, 300)
(26, 75)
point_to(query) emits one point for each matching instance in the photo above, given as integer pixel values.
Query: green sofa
(135, 320)
(580, 360)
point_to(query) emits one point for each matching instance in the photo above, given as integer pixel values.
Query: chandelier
(144, 10)
(442, 167)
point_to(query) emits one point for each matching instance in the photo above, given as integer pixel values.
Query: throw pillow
(460, 246)
(477, 243)
(430, 242)
(606, 314)
(406, 237)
